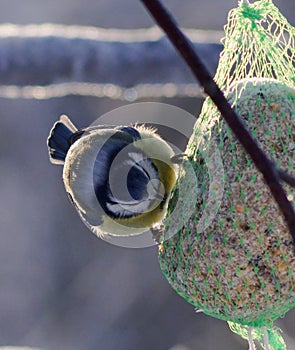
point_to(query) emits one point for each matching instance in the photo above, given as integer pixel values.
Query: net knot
(254, 12)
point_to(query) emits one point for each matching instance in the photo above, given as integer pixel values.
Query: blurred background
(61, 288)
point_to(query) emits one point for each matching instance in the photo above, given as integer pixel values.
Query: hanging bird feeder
(239, 266)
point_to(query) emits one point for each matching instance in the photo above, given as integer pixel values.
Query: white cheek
(78, 177)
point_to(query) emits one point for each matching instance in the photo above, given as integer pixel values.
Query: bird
(119, 178)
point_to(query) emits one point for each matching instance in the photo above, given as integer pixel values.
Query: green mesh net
(238, 265)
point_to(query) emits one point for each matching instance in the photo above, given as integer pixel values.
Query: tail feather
(59, 140)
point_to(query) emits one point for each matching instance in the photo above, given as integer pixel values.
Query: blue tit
(119, 178)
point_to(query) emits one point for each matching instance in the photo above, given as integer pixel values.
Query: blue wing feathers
(60, 140)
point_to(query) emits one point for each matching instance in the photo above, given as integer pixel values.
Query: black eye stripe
(102, 165)
(131, 131)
